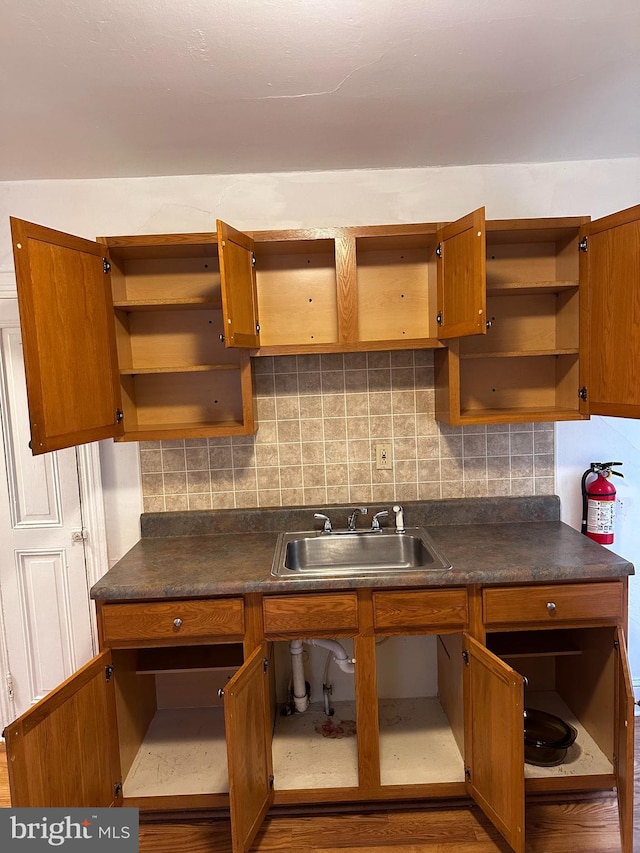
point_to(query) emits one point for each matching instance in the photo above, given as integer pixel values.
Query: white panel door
(43, 579)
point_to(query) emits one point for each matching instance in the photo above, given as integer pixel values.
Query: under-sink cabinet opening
(420, 709)
(171, 719)
(315, 747)
(416, 717)
(572, 675)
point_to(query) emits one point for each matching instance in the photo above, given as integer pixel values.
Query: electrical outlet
(384, 461)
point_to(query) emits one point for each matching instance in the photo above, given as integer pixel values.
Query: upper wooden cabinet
(124, 338)
(562, 317)
(149, 337)
(68, 337)
(238, 286)
(526, 367)
(611, 319)
(461, 277)
(349, 289)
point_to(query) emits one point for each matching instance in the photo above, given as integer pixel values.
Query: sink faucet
(327, 521)
(351, 524)
(375, 522)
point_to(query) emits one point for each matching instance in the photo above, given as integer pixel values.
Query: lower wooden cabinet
(203, 724)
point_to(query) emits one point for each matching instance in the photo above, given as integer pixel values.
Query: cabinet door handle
(551, 606)
(178, 622)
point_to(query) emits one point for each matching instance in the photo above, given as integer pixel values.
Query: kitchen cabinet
(150, 337)
(349, 289)
(611, 268)
(580, 675)
(122, 339)
(446, 739)
(526, 367)
(561, 339)
(165, 718)
(481, 655)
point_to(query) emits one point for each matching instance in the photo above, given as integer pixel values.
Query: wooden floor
(589, 826)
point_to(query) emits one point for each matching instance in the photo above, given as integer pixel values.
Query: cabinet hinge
(582, 393)
(467, 774)
(258, 328)
(108, 672)
(439, 318)
(583, 245)
(271, 782)
(9, 682)
(465, 657)
(119, 416)
(106, 266)
(253, 260)
(265, 665)
(616, 645)
(80, 535)
(117, 789)
(439, 250)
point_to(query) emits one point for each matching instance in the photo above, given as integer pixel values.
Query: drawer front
(420, 609)
(600, 602)
(199, 619)
(308, 615)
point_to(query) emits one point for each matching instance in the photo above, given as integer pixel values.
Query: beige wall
(319, 419)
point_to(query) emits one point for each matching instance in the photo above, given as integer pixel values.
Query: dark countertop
(489, 541)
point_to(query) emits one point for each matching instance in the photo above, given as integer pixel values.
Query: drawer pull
(551, 606)
(177, 622)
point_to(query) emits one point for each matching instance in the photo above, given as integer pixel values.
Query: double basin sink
(313, 553)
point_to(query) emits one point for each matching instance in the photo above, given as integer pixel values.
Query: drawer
(199, 619)
(420, 609)
(554, 603)
(310, 615)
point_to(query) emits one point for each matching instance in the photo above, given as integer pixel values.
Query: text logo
(69, 829)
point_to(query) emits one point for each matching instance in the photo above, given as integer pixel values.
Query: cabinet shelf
(528, 288)
(187, 368)
(519, 644)
(520, 353)
(348, 346)
(185, 658)
(200, 402)
(160, 431)
(169, 304)
(518, 415)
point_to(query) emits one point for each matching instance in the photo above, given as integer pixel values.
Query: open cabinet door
(624, 745)
(462, 289)
(64, 751)
(246, 715)
(238, 285)
(610, 345)
(68, 337)
(494, 740)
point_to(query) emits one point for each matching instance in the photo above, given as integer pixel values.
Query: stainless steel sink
(354, 554)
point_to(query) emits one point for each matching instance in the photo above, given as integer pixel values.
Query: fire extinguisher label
(600, 517)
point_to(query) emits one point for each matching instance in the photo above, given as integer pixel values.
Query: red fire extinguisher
(599, 502)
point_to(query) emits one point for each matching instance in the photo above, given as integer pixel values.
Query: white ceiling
(104, 88)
